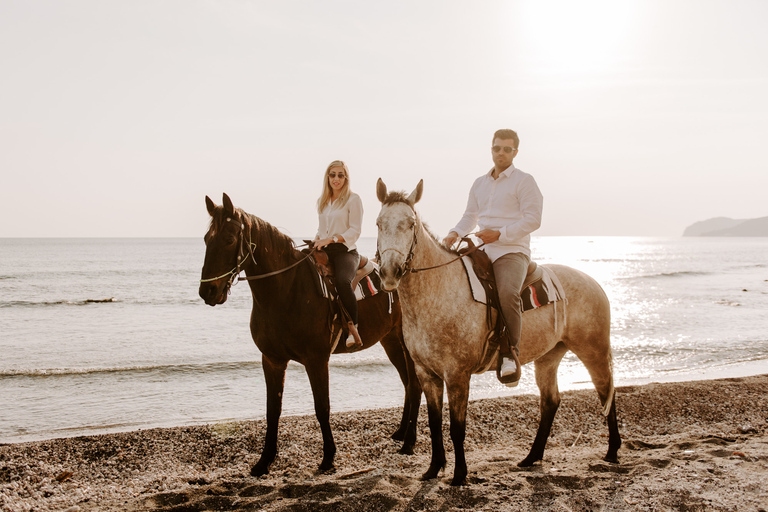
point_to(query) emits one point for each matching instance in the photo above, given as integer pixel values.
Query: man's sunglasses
(506, 149)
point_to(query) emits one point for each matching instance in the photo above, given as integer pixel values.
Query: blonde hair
(327, 194)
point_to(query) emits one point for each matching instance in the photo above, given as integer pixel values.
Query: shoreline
(732, 370)
(691, 445)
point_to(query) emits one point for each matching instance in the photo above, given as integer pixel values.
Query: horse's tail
(609, 402)
(611, 393)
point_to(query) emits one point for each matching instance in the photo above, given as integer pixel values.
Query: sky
(636, 118)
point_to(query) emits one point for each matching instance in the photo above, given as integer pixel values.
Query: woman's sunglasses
(340, 175)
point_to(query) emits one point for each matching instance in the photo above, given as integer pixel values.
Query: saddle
(325, 269)
(340, 319)
(324, 265)
(483, 267)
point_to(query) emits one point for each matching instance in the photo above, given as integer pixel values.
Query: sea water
(104, 335)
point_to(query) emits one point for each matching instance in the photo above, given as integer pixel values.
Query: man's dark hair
(507, 134)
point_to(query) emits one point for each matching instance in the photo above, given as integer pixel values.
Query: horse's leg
(546, 380)
(433, 391)
(601, 372)
(317, 371)
(398, 355)
(614, 438)
(274, 374)
(458, 395)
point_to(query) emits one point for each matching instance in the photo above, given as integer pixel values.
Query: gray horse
(446, 331)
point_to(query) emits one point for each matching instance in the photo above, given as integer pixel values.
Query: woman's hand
(319, 244)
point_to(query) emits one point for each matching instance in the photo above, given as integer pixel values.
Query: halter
(240, 260)
(408, 258)
(235, 272)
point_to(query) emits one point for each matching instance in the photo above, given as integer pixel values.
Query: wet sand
(687, 446)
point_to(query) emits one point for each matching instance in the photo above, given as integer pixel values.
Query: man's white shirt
(511, 204)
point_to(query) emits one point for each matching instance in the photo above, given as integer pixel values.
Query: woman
(341, 219)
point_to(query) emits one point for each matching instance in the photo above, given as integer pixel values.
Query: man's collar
(507, 172)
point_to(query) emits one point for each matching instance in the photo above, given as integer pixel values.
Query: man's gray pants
(510, 271)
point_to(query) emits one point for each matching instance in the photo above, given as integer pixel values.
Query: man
(506, 205)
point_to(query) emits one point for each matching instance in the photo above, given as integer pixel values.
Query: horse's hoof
(457, 480)
(326, 469)
(259, 470)
(612, 459)
(528, 462)
(399, 435)
(431, 473)
(406, 450)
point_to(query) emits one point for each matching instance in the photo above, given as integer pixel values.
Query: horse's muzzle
(213, 294)
(390, 277)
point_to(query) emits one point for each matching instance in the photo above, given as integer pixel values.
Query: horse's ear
(228, 207)
(381, 190)
(210, 205)
(416, 194)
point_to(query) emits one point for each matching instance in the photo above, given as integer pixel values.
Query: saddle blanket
(367, 283)
(539, 293)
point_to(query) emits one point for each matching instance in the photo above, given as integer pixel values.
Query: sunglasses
(506, 149)
(340, 175)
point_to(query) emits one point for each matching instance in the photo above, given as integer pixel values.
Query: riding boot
(353, 340)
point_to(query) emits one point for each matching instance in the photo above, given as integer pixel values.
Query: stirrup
(353, 340)
(513, 379)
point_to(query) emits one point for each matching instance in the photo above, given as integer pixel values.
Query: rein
(276, 272)
(473, 249)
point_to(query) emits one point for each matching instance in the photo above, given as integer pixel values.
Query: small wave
(29, 303)
(161, 368)
(750, 266)
(216, 367)
(663, 275)
(610, 260)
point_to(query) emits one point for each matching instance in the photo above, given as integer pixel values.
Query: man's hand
(450, 239)
(488, 236)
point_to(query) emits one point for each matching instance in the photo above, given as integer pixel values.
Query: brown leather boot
(353, 340)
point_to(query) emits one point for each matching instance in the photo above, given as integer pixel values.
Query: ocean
(106, 335)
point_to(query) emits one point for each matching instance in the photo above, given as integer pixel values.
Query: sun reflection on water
(671, 301)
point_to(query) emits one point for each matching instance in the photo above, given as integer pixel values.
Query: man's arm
(531, 205)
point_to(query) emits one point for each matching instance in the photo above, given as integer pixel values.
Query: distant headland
(723, 226)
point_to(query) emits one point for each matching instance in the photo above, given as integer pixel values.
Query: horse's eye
(230, 240)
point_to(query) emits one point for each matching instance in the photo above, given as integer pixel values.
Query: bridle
(234, 274)
(406, 268)
(408, 257)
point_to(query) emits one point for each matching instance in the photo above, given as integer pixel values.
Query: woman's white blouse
(346, 221)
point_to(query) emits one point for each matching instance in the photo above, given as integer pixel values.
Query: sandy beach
(687, 446)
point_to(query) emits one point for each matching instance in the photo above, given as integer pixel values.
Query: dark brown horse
(290, 321)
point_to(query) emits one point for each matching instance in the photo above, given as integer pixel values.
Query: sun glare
(565, 37)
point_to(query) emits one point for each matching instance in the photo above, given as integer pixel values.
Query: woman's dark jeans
(344, 264)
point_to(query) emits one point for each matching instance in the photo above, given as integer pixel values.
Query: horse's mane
(399, 196)
(259, 232)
